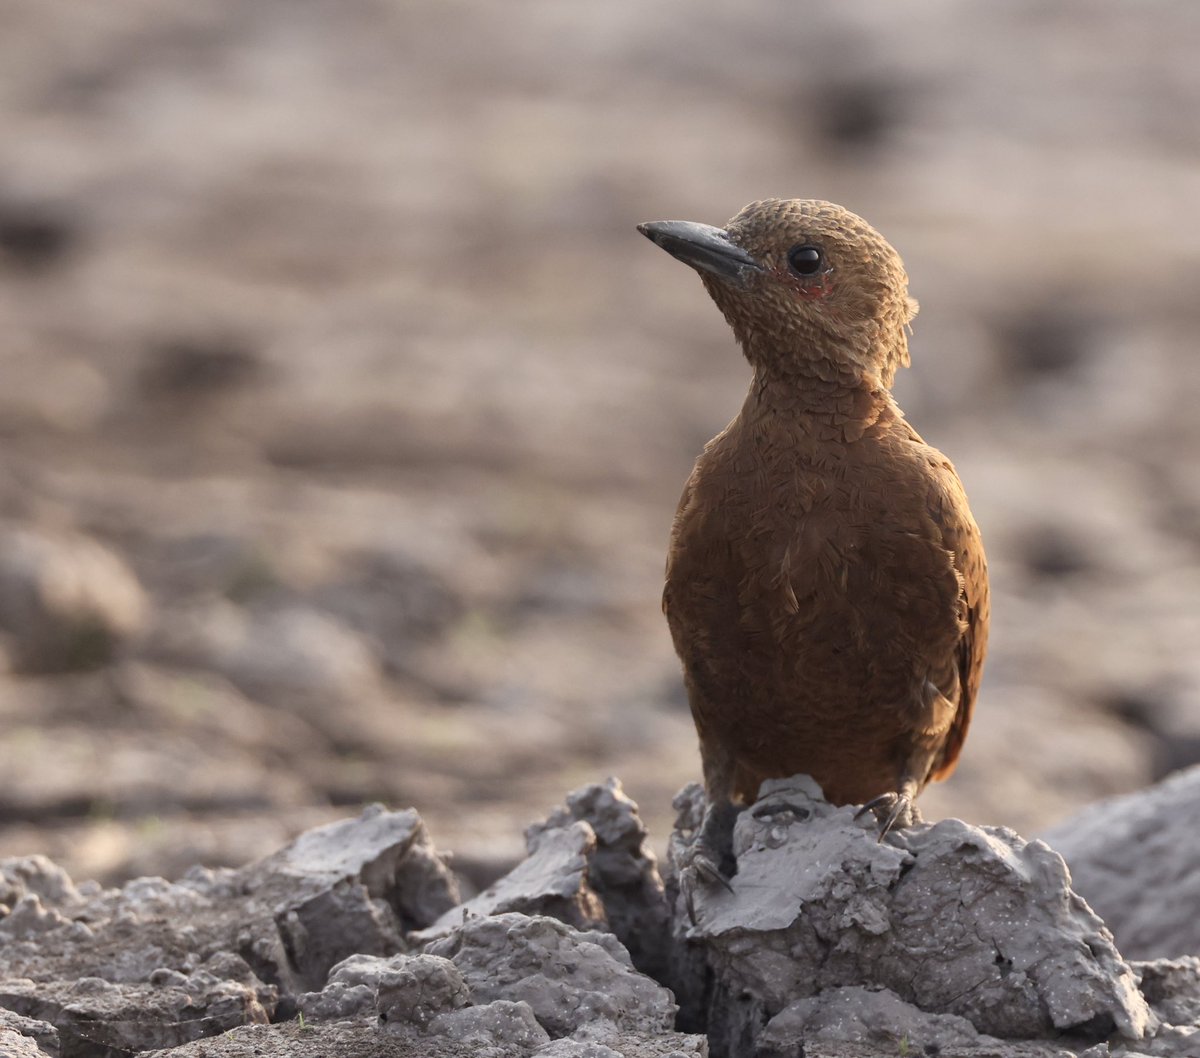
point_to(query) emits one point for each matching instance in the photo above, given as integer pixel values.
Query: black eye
(805, 260)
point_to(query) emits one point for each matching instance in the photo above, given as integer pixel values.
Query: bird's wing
(961, 538)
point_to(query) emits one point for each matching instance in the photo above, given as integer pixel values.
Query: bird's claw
(699, 869)
(891, 810)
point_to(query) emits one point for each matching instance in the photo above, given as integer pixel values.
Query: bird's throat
(831, 405)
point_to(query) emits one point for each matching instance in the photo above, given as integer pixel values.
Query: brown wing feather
(963, 540)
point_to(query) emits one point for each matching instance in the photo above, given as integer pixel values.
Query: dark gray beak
(703, 247)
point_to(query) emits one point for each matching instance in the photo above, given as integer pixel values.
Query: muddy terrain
(943, 939)
(343, 411)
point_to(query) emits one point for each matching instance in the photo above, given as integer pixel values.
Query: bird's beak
(703, 247)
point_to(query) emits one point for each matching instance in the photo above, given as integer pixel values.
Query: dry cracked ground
(945, 939)
(343, 412)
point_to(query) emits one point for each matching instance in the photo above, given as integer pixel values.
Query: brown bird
(826, 584)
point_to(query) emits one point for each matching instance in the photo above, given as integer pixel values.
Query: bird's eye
(805, 260)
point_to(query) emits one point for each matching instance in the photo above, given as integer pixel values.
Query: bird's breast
(811, 560)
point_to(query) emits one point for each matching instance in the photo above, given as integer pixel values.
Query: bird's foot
(891, 810)
(697, 870)
(709, 860)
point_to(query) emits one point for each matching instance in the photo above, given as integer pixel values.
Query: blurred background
(343, 412)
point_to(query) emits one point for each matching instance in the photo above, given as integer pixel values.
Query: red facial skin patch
(811, 288)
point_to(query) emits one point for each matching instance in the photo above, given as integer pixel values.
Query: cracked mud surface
(342, 394)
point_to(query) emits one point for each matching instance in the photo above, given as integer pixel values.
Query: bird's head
(808, 287)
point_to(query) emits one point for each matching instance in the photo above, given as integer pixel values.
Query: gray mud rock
(1135, 859)
(687, 974)
(496, 1030)
(37, 876)
(343, 996)
(162, 1009)
(1171, 1041)
(866, 1015)
(880, 1019)
(603, 1040)
(590, 865)
(425, 998)
(16, 1045)
(420, 991)
(22, 1037)
(1172, 988)
(954, 919)
(622, 870)
(352, 887)
(66, 601)
(110, 970)
(360, 1039)
(552, 881)
(412, 989)
(567, 1048)
(343, 1039)
(568, 977)
(831, 945)
(158, 963)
